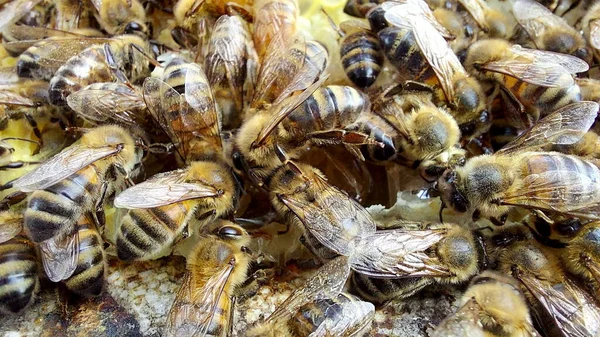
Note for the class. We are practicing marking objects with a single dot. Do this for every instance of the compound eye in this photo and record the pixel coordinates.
(230, 232)
(133, 27)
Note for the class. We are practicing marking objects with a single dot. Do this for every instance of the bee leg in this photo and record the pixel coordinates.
(36, 131)
(114, 67)
(233, 9)
(12, 199)
(231, 314)
(251, 286)
(499, 222)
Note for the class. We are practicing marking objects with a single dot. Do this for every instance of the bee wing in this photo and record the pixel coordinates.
(562, 127)
(101, 106)
(13, 11)
(163, 189)
(567, 192)
(11, 98)
(97, 4)
(464, 322)
(62, 165)
(570, 63)
(325, 283)
(594, 39)
(353, 317)
(31, 33)
(425, 12)
(328, 218)
(436, 50)
(477, 10)
(572, 310)
(10, 228)
(8, 75)
(199, 96)
(194, 309)
(536, 19)
(284, 108)
(399, 253)
(543, 74)
(60, 254)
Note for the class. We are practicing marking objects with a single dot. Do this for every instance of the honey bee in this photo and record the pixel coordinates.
(273, 18)
(591, 28)
(184, 106)
(430, 254)
(118, 17)
(425, 136)
(493, 306)
(18, 270)
(360, 53)
(420, 45)
(516, 175)
(161, 207)
(125, 58)
(559, 306)
(531, 81)
(229, 61)
(216, 268)
(70, 184)
(492, 22)
(90, 274)
(549, 31)
(320, 290)
(359, 8)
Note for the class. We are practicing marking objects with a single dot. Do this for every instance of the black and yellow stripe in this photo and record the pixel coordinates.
(362, 57)
(18, 274)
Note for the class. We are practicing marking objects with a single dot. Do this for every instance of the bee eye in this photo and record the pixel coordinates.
(229, 232)
(133, 27)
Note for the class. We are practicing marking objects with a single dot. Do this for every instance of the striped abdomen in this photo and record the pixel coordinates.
(144, 233)
(359, 8)
(378, 290)
(59, 206)
(88, 278)
(581, 179)
(18, 274)
(382, 133)
(330, 107)
(86, 68)
(361, 57)
(540, 101)
(401, 49)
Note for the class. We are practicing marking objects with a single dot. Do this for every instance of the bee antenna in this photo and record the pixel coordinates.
(151, 59)
(332, 23)
(283, 157)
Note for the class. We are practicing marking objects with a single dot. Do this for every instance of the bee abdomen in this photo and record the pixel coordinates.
(88, 278)
(88, 67)
(18, 274)
(144, 232)
(401, 49)
(362, 58)
(380, 290)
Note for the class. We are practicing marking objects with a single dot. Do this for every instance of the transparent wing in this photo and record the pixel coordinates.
(464, 322)
(164, 189)
(543, 74)
(9, 228)
(351, 318)
(571, 63)
(573, 311)
(594, 38)
(31, 33)
(11, 98)
(13, 11)
(194, 309)
(60, 254)
(425, 12)
(102, 105)
(537, 20)
(62, 165)
(334, 219)
(477, 10)
(562, 127)
(399, 253)
(327, 282)
(284, 108)
(199, 96)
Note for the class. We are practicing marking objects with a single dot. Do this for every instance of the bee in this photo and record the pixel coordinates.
(216, 268)
(462, 31)
(161, 207)
(531, 81)
(493, 305)
(516, 175)
(72, 14)
(229, 61)
(6, 150)
(359, 8)
(419, 51)
(124, 58)
(423, 136)
(19, 268)
(360, 53)
(70, 184)
(183, 104)
(559, 306)
(492, 22)
(428, 255)
(591, 28)
(90, 274)
(273, 18)
(294, 317)
(549, 31)
(118, 17)
(296, 125)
